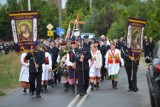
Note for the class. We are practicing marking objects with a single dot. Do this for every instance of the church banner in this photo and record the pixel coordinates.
(135, 35)
(24, 29)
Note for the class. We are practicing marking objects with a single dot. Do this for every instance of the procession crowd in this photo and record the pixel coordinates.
(6, 47)
(78, 63)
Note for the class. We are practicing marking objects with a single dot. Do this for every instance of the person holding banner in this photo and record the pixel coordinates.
(36, 59)
(131, 66)
(133, 49)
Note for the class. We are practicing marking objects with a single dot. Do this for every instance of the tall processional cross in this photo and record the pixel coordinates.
(77, 22)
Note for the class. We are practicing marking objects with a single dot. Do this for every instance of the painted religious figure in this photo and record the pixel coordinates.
(25, 33)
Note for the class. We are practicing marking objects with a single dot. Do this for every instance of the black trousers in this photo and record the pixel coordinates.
(33, 76)
(132, 83)
(83, 80)
(103, 72)
(55, 75)
(152, 53)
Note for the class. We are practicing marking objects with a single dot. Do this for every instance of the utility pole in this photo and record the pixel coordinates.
(90, 4)
(60, 13)
(21, 5)
(29, 5)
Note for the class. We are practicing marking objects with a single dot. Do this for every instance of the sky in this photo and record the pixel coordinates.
(63, 2)
(3, 1)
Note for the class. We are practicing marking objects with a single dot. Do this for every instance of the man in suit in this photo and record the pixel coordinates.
(87, 43)
(36, 59)
(54, 51)
(131, 66)
(82, 55)
(104, 48)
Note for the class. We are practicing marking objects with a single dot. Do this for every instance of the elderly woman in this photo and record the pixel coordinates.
(113, 59)
(95, 64)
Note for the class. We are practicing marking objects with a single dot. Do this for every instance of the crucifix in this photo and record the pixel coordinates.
(77, 22)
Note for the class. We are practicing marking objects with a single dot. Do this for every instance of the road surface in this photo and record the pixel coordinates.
(104, 97)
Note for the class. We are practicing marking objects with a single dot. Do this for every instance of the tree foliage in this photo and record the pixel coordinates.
(48, 13)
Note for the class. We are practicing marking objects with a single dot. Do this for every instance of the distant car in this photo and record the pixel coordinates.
(153, 78)
(91, 35)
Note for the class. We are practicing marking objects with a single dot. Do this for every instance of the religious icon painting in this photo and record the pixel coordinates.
(135, 34)
(24, 28)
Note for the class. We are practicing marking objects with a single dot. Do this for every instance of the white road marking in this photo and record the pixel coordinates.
(73, 101)
(81, 101)
(84, 97)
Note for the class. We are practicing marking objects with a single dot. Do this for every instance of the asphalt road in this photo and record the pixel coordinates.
(104, 97)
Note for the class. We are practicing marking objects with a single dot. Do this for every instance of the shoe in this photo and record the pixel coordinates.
(52, 85)
(92, 86)
(102, 80)
(42, 90)
(32, 93)
(66, 86)
(38, 96)
(135, 90)
(73, 89)
(25, 91)
(97, 86)
(130, 90)
(81, 94)
(85, 93)
(115, 84)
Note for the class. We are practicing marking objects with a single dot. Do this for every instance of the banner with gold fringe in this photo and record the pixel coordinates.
(135, 36)
(24, 29)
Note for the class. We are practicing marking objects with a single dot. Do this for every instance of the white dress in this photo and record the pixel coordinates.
(46, 67)
(95, 65)
(113, 60)
(24, 73)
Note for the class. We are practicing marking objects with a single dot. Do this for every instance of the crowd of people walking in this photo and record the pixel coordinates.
(78, 63)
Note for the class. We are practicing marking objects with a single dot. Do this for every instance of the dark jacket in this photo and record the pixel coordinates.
(151, 45)
(37, 57)
(72, 56)
(54, 54)
(87, 45)
(87, 56)
(104, 50)
(125, 55)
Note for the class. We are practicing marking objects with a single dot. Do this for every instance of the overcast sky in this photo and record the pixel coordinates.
(3, 1)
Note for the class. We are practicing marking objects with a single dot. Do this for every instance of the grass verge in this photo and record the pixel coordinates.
(9, 71)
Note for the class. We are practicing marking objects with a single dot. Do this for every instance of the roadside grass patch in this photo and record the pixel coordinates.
(9, 71)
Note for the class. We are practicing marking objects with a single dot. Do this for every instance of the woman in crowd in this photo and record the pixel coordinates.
(95, 64)
(24, 74)
(113, 60)
(47, 66)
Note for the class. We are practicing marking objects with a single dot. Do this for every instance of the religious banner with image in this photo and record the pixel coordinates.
(24, 29)
(135, 35)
